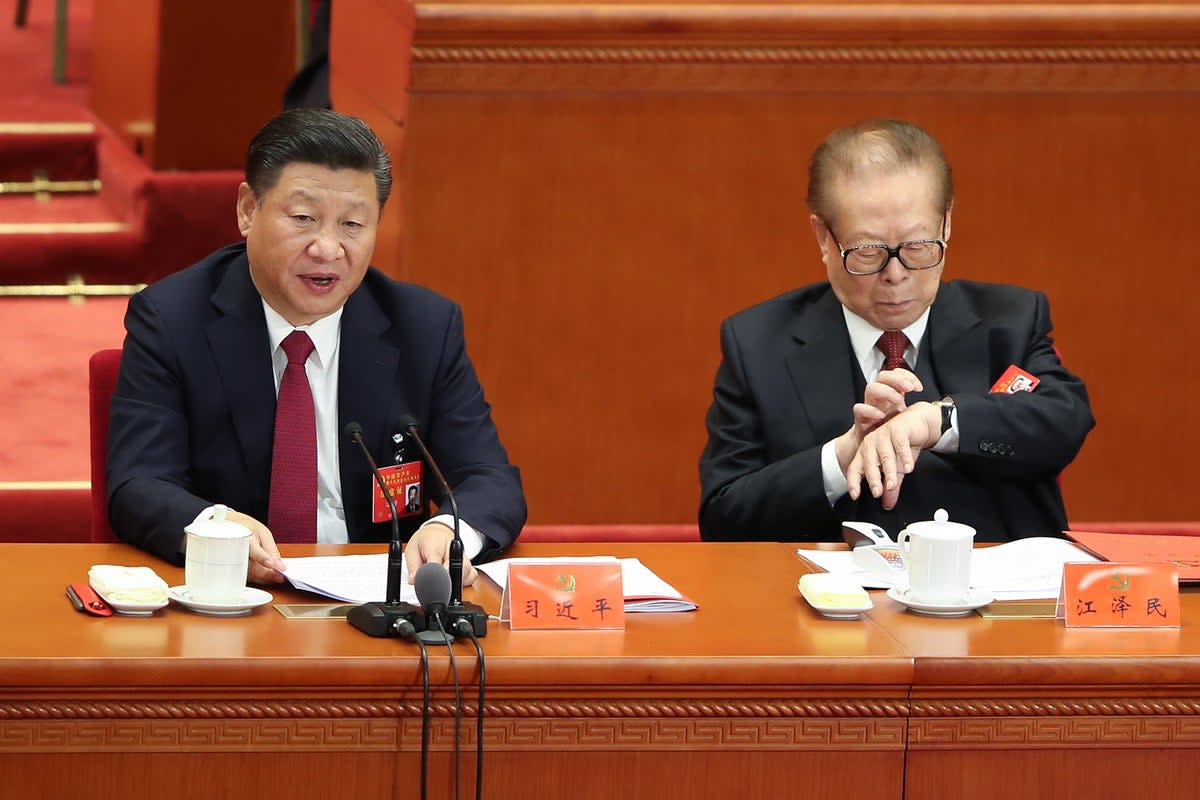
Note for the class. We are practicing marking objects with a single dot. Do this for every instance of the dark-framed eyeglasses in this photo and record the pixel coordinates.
(867, 259)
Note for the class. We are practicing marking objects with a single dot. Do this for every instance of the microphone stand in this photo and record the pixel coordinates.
(380, 619)
(456, 609)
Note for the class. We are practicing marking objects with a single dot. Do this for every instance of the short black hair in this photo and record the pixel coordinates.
(316, 136)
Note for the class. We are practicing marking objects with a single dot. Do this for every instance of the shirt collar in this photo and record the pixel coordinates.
(864, 335)
(324, 333)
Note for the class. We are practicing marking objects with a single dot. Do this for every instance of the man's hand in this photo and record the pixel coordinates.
(265, 564)
(882, 400)
(431, 542)
(890, 452)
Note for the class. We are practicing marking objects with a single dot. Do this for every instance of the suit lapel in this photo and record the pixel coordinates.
(959, 346)
(241, 350)
(822, 366)
(369, 393)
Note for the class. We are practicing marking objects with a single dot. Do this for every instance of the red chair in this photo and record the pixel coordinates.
(102, 380)
(611, 533)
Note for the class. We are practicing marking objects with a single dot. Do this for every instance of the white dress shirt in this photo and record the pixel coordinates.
(863, 338)
(322, 371)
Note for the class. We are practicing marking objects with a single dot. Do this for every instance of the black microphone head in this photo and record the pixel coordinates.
(353, 429)
(432, 585)
(408, 423)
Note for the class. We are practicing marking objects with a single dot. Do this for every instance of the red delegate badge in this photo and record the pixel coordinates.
(404, 484)
(1015, 380)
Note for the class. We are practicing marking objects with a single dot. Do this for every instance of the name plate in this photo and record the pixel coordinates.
(565, 595)
(1120, 595)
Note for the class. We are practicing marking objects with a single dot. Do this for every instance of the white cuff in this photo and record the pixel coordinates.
(472, 539)
(831, 474)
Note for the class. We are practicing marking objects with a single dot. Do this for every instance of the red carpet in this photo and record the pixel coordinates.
(44, 428)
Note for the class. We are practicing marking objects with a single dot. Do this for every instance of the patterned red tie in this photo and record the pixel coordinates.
(893, 344)
(292, 509)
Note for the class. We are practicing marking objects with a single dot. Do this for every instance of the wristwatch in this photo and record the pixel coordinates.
(946, 404)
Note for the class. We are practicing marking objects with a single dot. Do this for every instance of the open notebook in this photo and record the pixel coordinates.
(643, 590)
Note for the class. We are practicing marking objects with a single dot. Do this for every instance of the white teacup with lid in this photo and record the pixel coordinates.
(218, 556)
(937, 554)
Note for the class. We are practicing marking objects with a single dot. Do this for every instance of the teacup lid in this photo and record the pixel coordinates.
(940, 527)
(217, 526)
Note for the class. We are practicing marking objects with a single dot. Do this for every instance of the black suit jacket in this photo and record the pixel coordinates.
(193, 414)
(788, 382)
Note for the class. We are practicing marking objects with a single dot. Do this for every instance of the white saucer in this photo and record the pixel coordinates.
(976, 598)
(251, 598)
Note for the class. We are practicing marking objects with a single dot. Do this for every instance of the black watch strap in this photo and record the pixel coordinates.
(947, 407)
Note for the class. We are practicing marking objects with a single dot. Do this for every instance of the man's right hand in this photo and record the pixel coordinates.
(266, 566)
(882, 400)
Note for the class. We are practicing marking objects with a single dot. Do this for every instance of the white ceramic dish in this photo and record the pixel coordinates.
(816, 585)
(251, 599)
(976, 598)
(131, 609)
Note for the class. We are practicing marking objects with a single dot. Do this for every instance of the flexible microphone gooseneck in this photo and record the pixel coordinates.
(380, 619)
(455, 608)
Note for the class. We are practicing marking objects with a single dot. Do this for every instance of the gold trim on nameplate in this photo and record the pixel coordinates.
(1019, 609)
(314, 610)
(43, 485)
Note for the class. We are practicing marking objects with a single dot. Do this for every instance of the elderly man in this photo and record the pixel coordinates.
(884, 393)
(240, 374)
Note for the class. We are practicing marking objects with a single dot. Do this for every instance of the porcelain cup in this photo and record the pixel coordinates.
(937, 555)
(218, 555)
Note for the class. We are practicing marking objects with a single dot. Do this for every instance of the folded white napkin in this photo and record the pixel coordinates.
(128, 585)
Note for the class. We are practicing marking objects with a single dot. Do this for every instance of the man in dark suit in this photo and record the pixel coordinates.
(886, 374)
(193, 419)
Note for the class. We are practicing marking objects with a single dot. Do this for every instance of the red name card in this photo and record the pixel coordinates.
(565, 595)
(1120, 595)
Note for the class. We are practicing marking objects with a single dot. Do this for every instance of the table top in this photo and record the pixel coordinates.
(752, 633)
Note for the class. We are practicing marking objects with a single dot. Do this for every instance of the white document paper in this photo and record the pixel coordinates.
(355, 579)
(1024, 569)
(643, 590)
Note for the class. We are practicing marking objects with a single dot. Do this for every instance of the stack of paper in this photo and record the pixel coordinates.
(643, 590)
(1025, 569)
(355, 579)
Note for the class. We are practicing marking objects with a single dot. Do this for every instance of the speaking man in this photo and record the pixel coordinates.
(241, 372)
(884, 393)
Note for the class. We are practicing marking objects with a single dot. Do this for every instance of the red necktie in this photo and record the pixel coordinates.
(893, 344)
(292, 509)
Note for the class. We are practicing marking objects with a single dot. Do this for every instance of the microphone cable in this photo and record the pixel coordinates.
(462, 627)
(437, 618)
(406, 630)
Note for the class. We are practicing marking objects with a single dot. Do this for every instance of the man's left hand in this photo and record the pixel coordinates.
(890, 452)
(432, 543)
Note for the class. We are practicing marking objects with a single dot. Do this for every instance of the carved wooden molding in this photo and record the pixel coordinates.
(54, 726)
(195, 735)
(1074, 707)
(805, 70)
(1054, 732)
(728, 56)
(695, 733)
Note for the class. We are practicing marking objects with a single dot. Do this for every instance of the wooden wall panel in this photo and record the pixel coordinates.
(600, 184)
(188, 84)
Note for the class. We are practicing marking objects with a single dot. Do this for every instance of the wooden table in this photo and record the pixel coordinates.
(753, 696)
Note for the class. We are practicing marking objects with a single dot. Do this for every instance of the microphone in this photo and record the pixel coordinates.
(383, 619)
(432, 585)
(456, 609)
